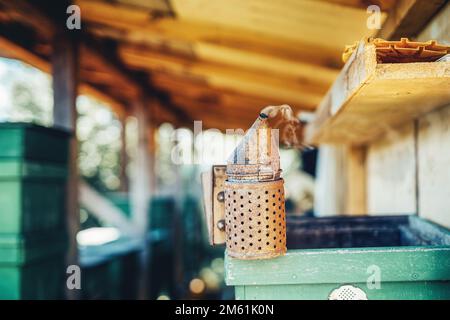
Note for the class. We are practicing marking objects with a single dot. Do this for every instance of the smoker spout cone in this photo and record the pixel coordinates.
(257, 156)
(254, 195)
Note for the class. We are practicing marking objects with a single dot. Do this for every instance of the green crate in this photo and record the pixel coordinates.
(411, 256)
(33, 142)
(32, 268)
(162, 212)
(32, 196)
(111, 270)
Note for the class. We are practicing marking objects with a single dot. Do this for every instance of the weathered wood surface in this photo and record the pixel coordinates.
(407, 167)
(370, 99)
(434, 166)
(391, 173)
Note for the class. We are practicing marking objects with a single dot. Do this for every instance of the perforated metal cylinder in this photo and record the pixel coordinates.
(255, 219)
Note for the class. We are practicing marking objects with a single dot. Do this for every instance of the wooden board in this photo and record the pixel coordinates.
(370, 99)
(391, 173)
(434, 166)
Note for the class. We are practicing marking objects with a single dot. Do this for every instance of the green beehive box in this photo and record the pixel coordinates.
(33, 170)
(396, 257)
(111, 270)
(32, 142)
(162, 212)
(32, 268)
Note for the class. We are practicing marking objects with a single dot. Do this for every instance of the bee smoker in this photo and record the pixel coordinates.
(244, 200)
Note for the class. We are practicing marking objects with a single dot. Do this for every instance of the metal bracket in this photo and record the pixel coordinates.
(214, 201)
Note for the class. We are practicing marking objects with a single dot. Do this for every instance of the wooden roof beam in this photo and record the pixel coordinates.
(408, 17)
(272, 88)
(12, 50)
(135, 26)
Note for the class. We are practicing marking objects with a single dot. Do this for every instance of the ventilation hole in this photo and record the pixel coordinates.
(267, 243)
(250, 227)
(275, 229)
(273, 196)
(242, 197)
(242, 222)
(274, 246)
(242, 239)
(250, 218)
(234, 209)
(242, 205)
(267, 218)
(274, 204)
(267, 209)
(267, 192)
(259, 222)
(249, 193)
(274, 238)
(251, 244)
(274, 221)
(242, 214)
(235, 243)
(234, 192)
(259, 240)
(242, 248)
(267, 200)
(267, 226)
(259, 231)
(259, 248)
(274, 212)
(251, 236)
(242, 231)
(259, 206)
(249, 210)
(267, 234)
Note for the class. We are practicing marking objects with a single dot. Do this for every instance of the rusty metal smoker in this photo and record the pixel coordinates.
(244, 200)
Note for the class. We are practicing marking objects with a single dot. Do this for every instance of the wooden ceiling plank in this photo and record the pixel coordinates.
(408, 17)
(254, 84)
(305, 21)
(11, 50)
(363, 4)
(166, 31)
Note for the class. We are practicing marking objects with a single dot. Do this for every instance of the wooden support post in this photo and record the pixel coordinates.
(331, 182)
(356, 181)
(151, 131)
(140, 189)
(65, 65)
(124, 183)
(140, 181)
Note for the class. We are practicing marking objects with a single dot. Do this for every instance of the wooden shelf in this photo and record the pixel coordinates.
(369, 99)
